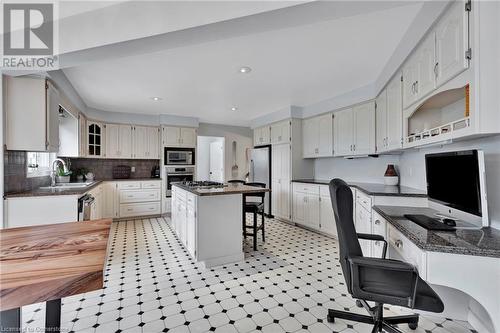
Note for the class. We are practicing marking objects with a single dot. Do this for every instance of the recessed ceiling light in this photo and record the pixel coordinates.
(156, 98)
(245, 69)
(234, 108)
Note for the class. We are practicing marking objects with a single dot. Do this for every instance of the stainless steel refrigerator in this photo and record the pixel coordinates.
(260, 171)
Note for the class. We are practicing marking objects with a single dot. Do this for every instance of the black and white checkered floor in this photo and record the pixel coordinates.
(153, 285)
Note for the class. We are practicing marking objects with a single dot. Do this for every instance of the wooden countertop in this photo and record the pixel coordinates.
(226, 190)
(46, 262)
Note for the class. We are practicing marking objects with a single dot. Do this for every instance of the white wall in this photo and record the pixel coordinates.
(203, 156)
(244, 139)
(365, 170)
(411, 168)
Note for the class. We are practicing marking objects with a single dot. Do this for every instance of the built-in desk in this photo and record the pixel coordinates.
(464, 264)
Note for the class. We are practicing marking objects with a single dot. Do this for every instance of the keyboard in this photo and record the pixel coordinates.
(428, 222)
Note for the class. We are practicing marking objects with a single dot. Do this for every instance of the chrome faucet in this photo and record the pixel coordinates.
(53, 172)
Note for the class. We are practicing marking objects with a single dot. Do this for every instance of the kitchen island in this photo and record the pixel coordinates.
(208, 221)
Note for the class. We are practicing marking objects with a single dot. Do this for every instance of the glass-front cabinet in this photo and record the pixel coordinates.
(95, 137)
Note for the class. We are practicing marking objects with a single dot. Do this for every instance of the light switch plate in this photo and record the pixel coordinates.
(132, 169)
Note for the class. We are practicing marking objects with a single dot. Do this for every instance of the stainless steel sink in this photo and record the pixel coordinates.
(67, 186)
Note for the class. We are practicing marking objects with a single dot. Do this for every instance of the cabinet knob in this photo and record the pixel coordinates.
(377, 222)
(398, 243)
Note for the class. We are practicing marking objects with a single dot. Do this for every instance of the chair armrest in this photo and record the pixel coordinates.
(369, 276)
(377, 238)
(373, 237)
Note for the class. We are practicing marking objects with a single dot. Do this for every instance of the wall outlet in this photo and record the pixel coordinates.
(132, 169)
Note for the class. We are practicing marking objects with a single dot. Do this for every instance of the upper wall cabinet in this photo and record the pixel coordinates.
(118, 141)
(354, 130)
(443, 54)
(146, 142)
(82, 135)
(280, 132)
(179, 136)
(389, 117)
(317, 136)
(95, 139)
(452, 43)
(32, 124)
(262, 136)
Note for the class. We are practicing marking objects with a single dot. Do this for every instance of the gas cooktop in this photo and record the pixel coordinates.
(203, 184)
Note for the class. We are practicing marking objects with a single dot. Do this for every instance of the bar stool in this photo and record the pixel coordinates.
(254, 207)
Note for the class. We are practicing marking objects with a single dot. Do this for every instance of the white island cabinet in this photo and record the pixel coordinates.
(209, 222)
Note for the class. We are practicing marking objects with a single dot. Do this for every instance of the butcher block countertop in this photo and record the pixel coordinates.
(47, 262)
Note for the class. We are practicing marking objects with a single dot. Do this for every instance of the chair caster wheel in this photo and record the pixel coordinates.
(413, 326)
(358, 303)
(330, 319)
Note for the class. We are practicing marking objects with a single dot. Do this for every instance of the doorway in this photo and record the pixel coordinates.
(210, 158)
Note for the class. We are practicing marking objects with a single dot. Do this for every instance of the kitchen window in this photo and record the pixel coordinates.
(39, 164)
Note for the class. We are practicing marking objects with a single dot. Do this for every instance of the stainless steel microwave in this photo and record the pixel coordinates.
(179, 156)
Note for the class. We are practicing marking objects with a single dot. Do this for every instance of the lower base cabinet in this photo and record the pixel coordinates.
(184, 218)
(312, 207)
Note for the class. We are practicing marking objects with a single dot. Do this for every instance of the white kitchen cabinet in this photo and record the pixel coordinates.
(118, 141)
(363, 225)
(364, 129)
(317, 138)
(280, 132)
(343, 132)
(146, 142)
(409, 81)
(425, 57)
(451, 43)
(326, 215)
(381, 121)
(389, 117)
(109, 200)
(31, 124)
(312, 207)
(188, 137)
(95, 139)
(190, 242)
(179, 136)
(281, 181)
(378, 228)
(139, 198)
(96, 208)
(262, 136)
(82, 135)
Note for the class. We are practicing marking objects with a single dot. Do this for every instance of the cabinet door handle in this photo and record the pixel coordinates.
(436, 69)
(354, 147)
(416, 87)
(377, 222)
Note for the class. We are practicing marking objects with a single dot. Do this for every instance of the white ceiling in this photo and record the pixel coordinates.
(297, 65)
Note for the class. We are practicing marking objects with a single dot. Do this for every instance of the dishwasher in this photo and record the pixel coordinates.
(85, 204)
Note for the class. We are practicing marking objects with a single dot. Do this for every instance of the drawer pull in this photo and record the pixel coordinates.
(377, 242)
(398, 243)
(129, 209)
(377, 222)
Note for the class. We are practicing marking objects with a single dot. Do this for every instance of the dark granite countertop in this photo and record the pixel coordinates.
(467, 239)
(373, 189)
(39, 192)
(226, 190)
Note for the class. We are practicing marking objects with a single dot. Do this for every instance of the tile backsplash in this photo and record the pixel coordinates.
(103, 168)
(15, 169)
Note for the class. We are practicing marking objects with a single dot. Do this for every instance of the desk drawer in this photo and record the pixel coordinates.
(129, 185)
(364, 200)
(139, 196)
(306, 188)
(151, 184)
(140, 209)
(407, 250)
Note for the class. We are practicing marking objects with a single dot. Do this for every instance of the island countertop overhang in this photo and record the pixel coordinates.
(226, 190)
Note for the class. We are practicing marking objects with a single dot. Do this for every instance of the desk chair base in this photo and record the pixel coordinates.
(376, 318)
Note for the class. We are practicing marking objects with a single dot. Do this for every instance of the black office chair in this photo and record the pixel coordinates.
(254, 207)
(380, 280)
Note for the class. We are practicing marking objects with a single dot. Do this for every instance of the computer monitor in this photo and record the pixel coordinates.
(456, 185)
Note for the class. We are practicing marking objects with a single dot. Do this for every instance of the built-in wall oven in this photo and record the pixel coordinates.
(178, 156)
(177, 174)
